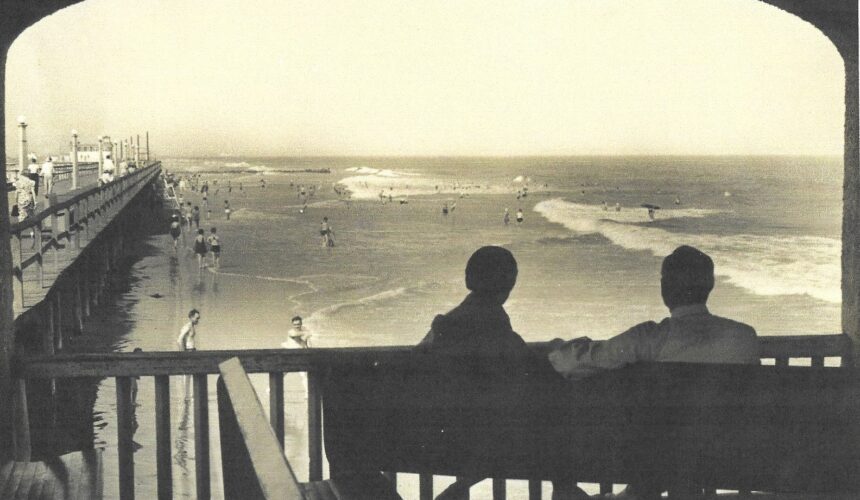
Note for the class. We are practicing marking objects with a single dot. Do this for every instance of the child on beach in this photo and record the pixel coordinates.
(200, 248)
(215, 247)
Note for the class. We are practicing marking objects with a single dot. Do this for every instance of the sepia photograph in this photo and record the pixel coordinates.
(451, 250)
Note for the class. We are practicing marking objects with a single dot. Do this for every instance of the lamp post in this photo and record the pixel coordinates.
(22, 143)
(74, 159)
(101, 156)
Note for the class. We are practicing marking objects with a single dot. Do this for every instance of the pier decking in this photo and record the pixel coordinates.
(46, 244)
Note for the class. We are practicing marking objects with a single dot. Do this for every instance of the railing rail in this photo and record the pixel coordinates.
(277, 362)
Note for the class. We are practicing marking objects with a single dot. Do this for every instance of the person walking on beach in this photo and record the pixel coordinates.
(299, 337)
(200, 248)
(519, 216)
(188, 214)
(195, 216)
(227, 209)
(215, 247)
(187, 334)
(48, 175)
(186, 342)
(175, 230)
(326, 233)
(507, 218)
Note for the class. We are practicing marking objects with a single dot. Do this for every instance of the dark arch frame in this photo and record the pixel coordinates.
(837, 19)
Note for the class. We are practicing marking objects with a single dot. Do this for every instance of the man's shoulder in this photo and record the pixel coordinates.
(733, 327)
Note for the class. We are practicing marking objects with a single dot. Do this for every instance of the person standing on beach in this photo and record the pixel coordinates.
(326, 233)
(507, 218)
(299, 336)
(519, 216)
(215, 247)
(200, 248)
(188, 332)
(48, 175)
(195, 216)
(188, 214)
(227, 209)
(186, 342)
(175, 230)
(25, 194)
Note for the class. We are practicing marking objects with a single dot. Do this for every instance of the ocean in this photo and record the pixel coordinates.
(772, 224)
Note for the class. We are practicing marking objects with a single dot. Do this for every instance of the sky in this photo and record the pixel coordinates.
(465, 77)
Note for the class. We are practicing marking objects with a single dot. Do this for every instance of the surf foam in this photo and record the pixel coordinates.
(763, 265)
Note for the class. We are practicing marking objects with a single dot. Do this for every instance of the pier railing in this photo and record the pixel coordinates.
(815, 350)
(68, 225)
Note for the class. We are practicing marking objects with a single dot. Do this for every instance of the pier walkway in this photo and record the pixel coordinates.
(47, 243)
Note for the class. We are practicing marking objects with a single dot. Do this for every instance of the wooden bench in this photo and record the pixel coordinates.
(254, 465)
(705, 427)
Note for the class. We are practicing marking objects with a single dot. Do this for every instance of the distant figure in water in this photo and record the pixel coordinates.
(175, 230)
(507, 217)
(200, 248)
(262, 183)
(605, 206)
(299, 337)
(445, 209)
(617, 207)
(651, 212)
(326, 233)
(227, 209)
(677, 200)
(519, 216)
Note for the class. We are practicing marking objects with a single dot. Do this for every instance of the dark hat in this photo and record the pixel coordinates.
(491, 269)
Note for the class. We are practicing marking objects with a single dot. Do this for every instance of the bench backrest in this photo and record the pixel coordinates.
(254, 465)
(723, 426)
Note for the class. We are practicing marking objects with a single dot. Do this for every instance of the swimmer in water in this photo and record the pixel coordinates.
(445, 209)
(617, 207)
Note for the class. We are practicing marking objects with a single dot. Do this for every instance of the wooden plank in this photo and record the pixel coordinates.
(274, 474)
(782, 361)
(201, 437)
(164, 465)
(276, 405)
(12, 481)
(125, 431)
(279, 360)
(5, 472)
(68, 485)
(315, 446)
(817, 361)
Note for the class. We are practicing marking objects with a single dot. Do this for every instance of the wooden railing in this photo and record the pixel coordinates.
(71, 223)
(276, 362)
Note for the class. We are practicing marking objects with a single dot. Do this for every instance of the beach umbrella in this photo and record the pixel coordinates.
(648, 205)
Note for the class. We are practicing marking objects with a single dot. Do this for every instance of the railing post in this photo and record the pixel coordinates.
(77, 213)
(125, 431)
(55, 242)
(425, 486)
(276, 405)
(164, 464)
(18, 269)
(314, 426)
(535, 489)
(201, 435)
(21, 423)
(38, 237)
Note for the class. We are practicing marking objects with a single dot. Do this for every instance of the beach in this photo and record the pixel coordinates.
(771, 224)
